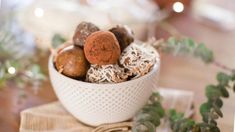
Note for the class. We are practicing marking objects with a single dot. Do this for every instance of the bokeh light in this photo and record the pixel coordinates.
(178, 7)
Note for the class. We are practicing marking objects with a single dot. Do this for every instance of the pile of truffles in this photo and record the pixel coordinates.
(98, 56)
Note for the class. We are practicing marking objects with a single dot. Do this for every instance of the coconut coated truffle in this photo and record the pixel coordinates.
(106, 74)
(137, 60)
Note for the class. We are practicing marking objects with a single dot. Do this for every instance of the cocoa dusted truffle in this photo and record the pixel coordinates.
(71, 62)
(83, 30)
(124, 36)
(102, 48)
(106, 74)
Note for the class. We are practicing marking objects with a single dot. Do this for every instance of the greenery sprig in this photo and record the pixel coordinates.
(15, 66)
(149, 117)
(210, 111)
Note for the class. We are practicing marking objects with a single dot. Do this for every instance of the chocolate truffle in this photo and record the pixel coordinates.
(105, 74)
(83, 30)
(71, 62)
(102, 48)
(137, 60)
(124, 36)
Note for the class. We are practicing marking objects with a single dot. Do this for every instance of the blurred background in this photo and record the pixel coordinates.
(28, 28)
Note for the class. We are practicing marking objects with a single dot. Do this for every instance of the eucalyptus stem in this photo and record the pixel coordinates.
(222, 66)
(174, 32)
(210, 110)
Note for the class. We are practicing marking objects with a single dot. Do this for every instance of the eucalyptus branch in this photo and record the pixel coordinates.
(222, 66)
(174, 32)
(210, 110)
(149, 117)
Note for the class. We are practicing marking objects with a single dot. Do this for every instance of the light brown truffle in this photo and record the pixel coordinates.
(102, 48)
(83, 30)
(71, 62)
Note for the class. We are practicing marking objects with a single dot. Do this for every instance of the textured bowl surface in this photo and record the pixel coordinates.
(96, 104)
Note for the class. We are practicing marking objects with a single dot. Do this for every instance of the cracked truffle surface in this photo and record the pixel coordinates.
(83, 30)
(71, 62)
(102, 48)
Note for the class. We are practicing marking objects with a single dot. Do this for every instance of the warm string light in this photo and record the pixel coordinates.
(38, 12)
(11, 70)
(178, 7)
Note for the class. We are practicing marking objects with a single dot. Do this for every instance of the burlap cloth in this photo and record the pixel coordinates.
(53, 117)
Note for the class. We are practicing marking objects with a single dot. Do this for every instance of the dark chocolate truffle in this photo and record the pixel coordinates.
(83, 30)
(102, 48)
(71, 62)
(124, 36)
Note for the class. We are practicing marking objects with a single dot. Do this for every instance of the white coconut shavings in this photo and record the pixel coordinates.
(138, 60)
(106, 74)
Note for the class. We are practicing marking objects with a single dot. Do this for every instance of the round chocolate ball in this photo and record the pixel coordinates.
(124, 36)
(83, 30)
(71, 62)
(102, 48)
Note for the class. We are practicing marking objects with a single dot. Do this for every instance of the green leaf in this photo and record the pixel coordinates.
(217, 110)
(223, 78)
(154, 118)
(203, 124)
(224, 92)
(174, 116)
(157, 107)
(139, 128)
(57, 40)
(213, 116)
(155, 97)
(149, 116)
(172, 41)
(186, 125)
(189, 42)
(187, 45)
(212, 92)
(234, 87)
(205, 108)
(196, 128)
(219, 102)
(176, 126)
(205, 54)
(150, 126)
(233, 76)
(213, 122)
(215, 129)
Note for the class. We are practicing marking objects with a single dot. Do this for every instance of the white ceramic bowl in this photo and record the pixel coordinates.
(96, 104)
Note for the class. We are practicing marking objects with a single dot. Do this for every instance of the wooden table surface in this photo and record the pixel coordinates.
(176, 72)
